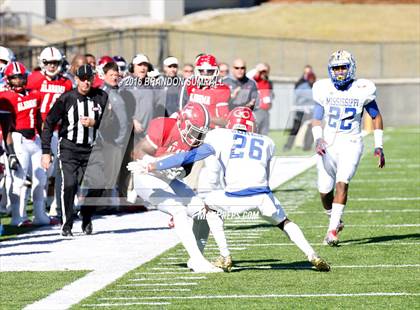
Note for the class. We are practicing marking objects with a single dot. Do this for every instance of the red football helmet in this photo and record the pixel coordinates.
(100, 65)
(241, 118)
(206, 68)
(193, 123)
(15, 70)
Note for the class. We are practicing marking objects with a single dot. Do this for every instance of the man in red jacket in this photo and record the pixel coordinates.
(266, 95)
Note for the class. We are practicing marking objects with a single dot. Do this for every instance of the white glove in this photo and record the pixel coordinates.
(138, 166)
(174, 173)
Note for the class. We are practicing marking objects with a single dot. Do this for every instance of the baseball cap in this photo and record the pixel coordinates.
(140, 58)
(170, 61)
(85, 72)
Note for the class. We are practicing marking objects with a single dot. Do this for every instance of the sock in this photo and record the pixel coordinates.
(296, 236)
(328, 212)
(216, 227)
(184, 231)
(336, 214)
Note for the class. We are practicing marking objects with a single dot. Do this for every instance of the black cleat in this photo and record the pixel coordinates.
(87, 228)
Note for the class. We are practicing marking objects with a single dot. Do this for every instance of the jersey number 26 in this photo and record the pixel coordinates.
(241, 147)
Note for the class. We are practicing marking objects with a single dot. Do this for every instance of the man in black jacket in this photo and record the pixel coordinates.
(80, 112)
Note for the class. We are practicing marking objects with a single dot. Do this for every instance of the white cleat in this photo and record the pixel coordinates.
(202, 266)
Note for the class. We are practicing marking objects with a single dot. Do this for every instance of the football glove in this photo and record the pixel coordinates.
(379, 152)
(138, 167)
(13, 162)
(320, 146)
(174, 173)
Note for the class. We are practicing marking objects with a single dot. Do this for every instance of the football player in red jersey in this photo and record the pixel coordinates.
(166, 191)
(25, 151)
(50, 83)
(204, 87)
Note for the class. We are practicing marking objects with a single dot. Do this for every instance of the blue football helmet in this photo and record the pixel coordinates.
(338, 59)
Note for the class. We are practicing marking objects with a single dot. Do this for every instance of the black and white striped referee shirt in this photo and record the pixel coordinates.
(68, 108)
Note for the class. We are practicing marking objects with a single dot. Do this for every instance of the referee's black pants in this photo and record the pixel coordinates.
(74, 159)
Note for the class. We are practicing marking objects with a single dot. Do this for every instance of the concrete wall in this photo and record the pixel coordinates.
(96, 8)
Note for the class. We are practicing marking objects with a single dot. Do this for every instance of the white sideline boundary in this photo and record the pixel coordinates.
(370, 294)
(107, 253)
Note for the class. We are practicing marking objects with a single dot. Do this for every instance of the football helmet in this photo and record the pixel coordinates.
(206, 69)
(241, 118)
(193, 123)
(122, 64)
(50, 55)
(338, 59)
(16, 70)
(5, 57)
(100, 65)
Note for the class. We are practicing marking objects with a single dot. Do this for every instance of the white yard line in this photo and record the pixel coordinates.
(129, 304)
(370, 294)
(165, 279)
(362, 242)
(333, 267)
(152, 290)
(362, 211)
(162, 284)
(386, 199)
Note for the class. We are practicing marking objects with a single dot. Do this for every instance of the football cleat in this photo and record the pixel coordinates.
(202, 266)
(319, 263)
(331, 239)
(224, 263)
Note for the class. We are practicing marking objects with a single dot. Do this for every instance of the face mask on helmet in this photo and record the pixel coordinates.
(50, 61)
(341, 68)
(193, 124)
(241, 118)
(206, 69)
(16, 76)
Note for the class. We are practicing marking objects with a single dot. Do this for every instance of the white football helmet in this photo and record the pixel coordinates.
(5, 56)
(48, 55)
(338, 59)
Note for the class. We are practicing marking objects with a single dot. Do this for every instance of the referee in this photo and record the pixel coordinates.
(80, 112)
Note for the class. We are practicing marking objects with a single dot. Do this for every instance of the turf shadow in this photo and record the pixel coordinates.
(126, 230)
(24, 253)
(380, 239)
(33, 243)
(238, 267)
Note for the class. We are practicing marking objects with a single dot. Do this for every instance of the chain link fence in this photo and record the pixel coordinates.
(286, 57)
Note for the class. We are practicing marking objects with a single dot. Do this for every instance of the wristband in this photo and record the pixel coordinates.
(378, 135)
(317, 132)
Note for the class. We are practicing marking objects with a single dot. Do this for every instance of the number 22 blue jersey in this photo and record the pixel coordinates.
(343, 109)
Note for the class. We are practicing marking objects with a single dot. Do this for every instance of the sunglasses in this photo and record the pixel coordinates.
(53, 62)
(239, 68)
(173, 66)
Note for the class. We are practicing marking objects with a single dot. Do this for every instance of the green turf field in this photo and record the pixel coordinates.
(377, 265)
(18, 289)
